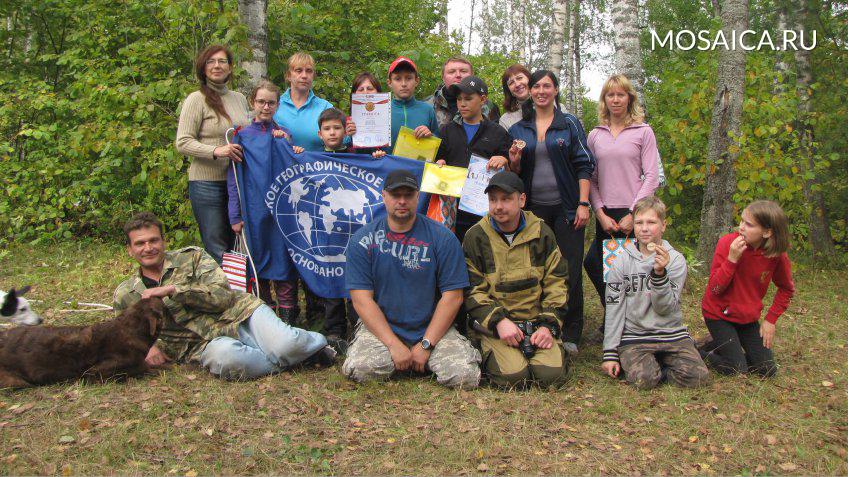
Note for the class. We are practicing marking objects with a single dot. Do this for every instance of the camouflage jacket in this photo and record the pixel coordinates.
(440, 105)
(203, 306)
(523, 281)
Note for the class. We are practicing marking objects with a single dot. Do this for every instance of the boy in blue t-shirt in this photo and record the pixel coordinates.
(406, 110)
(406, 275)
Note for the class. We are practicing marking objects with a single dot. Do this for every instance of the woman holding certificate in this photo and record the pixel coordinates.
(551, 156)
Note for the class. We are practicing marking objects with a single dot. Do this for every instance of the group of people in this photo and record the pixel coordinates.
(453, 293)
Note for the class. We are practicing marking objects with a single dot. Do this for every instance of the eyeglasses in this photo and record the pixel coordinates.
(220, 61)
(262, 103)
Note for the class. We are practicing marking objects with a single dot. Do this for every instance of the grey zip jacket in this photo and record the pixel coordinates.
(643, 307)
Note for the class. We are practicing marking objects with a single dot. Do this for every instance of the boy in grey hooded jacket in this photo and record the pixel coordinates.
(644, 333)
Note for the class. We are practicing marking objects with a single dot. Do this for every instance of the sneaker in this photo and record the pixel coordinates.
(338, 343)
(570, 348)
(324, 358)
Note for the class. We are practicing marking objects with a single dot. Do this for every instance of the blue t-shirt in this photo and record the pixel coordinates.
(406, 271)
(470, 131)
(303, 121)
(412, 113)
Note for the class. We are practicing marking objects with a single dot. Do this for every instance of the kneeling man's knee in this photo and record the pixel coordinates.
(361, 368)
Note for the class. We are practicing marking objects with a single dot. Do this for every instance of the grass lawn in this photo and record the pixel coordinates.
(184, 422)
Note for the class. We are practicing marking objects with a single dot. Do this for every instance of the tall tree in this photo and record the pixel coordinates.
(555, 56)
(576, 92)
(628, 55)
(821, 239)
(722, 145)
(254, 14)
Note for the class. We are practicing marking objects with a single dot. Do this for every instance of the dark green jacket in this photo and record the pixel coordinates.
(525, 280)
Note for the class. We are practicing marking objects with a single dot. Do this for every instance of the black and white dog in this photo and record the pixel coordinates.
(15, 308)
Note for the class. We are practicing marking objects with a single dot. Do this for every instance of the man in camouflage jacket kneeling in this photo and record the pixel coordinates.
(232, 334)
(518, 292)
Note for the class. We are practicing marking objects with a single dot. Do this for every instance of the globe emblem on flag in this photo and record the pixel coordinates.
(318, 214)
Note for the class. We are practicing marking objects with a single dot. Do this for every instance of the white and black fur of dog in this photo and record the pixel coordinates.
(16, 309)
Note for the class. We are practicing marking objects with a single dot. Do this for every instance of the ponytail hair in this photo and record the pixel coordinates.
(213, 99)
(528, 109)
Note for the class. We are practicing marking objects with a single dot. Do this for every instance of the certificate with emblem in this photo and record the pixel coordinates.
(473, 198)
(445, 180)
(408, 145)
(372, 114)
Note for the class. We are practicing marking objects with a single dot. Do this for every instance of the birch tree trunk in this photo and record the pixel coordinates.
(820, 236)
(558, 36)
(628, 55)
(567, 77)
(442, 26)
(576, 91)
(253, 14)
(722, 148)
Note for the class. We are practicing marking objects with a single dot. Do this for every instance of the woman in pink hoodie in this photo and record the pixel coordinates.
(626, 170)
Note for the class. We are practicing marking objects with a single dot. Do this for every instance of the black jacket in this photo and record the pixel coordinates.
(491, 140)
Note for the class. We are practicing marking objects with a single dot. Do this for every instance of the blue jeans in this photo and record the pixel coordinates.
(266, 345)
(209, 204)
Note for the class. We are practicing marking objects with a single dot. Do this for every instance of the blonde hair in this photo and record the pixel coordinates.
(635, 114)
(266, 85)
(651, 202)
(769, 215)
(301, 58)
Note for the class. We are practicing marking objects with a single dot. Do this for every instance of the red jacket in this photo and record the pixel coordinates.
(735, 291)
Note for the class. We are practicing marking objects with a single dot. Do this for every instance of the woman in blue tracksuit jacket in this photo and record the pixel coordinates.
(556, 176)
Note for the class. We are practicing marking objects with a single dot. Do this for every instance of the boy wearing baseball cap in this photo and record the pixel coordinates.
(470, 133)
(406, 110)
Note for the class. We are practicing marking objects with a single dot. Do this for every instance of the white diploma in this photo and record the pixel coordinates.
(372, 114)
(473, 199)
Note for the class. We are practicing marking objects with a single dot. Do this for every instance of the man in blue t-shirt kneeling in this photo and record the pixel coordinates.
(406, 275)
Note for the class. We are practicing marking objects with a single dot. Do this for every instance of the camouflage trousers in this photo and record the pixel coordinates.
(507, 367)
(646, 365)
(454, 361)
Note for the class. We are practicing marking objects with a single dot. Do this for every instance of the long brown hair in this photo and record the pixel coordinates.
(511, 102)
(213, 99)
(769, 215)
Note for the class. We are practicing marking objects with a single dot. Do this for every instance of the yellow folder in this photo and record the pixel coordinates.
(445, 180)
(422, 149)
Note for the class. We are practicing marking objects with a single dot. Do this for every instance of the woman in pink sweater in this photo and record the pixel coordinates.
(627, 169)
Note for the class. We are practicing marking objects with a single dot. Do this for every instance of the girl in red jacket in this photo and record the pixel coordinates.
(744, 264)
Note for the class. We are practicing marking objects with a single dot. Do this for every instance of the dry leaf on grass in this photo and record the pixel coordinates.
(788, 467)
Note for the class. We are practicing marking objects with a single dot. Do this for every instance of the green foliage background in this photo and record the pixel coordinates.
(90, 91)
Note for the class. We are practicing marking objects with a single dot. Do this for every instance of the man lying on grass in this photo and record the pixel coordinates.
(232, 334)
(644, 333)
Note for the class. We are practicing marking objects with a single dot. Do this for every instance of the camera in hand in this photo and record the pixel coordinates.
(527, 348)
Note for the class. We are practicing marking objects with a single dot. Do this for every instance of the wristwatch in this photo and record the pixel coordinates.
(584, 203)
(426, 345)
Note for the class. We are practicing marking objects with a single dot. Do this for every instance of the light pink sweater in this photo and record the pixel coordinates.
(627, 167)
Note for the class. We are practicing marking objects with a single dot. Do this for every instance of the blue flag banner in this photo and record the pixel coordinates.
(317, 201)
(255, 175)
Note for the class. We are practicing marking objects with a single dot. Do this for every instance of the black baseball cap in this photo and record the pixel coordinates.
(400, 178)
(507, 181)
(470, 84)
